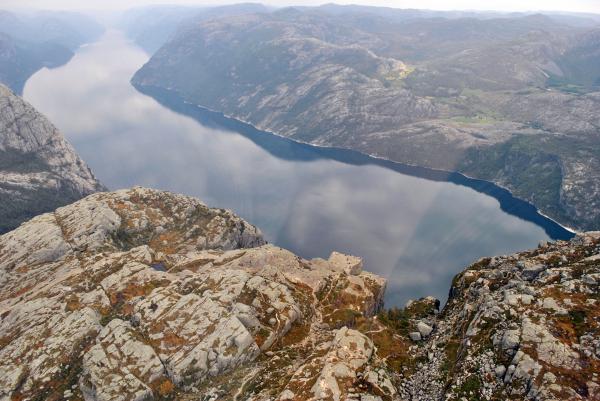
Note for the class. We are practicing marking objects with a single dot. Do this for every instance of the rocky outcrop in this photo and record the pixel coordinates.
(140, 294)
(39, 169)
(516, 327)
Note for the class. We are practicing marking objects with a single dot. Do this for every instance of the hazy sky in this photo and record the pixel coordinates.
(500, 5)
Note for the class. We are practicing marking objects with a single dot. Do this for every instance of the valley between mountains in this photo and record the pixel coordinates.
(143, 294)
(505, 99)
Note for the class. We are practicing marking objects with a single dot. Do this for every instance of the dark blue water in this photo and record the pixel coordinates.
(415, 226)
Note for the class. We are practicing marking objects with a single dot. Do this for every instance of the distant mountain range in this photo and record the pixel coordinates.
(150, 27)
(510, 98)
(29, 42)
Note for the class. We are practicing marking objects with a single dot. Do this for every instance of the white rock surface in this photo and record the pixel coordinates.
(140, 294)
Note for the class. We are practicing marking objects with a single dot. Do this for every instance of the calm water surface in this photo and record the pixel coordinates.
(416, 232)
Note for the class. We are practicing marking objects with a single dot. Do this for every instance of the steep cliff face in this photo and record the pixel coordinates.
(142, 294)
(39, 170)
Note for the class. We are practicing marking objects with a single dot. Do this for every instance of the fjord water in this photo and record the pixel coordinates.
(417, 232)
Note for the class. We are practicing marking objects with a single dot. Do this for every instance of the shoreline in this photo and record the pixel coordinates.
(171, 91)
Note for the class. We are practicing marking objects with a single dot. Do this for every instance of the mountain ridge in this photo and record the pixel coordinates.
(31, 41)
(312, 78)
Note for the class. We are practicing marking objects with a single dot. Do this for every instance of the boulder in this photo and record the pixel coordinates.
(424, 329)
(351, 265)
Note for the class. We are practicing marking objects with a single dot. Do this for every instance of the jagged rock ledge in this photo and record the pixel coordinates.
(516, 327)
(141, 294)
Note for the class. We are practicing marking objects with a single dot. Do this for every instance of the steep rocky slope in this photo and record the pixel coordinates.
(478, 96)
(39, 170)
(142, 294)
(522, 326)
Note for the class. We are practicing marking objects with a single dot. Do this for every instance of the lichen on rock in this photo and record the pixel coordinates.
(141, 294)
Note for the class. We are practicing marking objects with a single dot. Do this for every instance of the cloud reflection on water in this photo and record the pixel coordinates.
(416, 232)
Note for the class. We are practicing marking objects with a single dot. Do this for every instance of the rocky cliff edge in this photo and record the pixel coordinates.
(141, 294)
(146, 295)
(39, 169)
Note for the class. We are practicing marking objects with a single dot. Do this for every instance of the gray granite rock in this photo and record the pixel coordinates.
(39, 169)
(85, 312)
